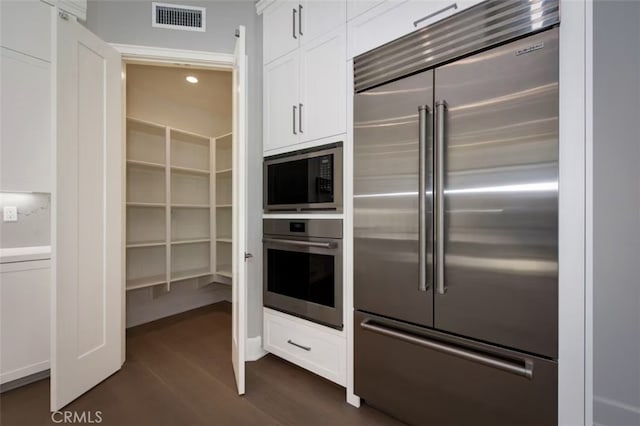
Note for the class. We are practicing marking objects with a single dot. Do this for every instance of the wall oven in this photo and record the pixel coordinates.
(304, 180)
(303, 268)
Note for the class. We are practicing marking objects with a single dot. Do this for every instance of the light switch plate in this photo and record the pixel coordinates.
(10, 213)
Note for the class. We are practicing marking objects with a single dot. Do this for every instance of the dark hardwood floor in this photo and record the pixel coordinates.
(178, 372)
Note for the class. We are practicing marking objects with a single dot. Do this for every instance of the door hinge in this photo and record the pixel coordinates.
(64, 15)
(248, 256)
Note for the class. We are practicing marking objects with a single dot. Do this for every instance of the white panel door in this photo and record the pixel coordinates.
(323, 86)
(320, 17)
(87, 332)
(280, 29)
(239, 266)
(281, 102)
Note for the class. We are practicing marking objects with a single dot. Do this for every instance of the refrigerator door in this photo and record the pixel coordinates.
(392, 137)
(499, 122)
(423, 377)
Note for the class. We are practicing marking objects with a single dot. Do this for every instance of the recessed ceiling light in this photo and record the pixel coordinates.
(192, 79)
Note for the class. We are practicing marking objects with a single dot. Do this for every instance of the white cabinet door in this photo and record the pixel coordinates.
(25, 305)
(323, 86)
(25, 152)
(395, 18)
(320, 17)
(281, 25)
(358, 7)
(281, 102)
(88, 328)
(25, 27)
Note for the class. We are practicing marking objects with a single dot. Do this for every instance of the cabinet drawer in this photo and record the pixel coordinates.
(311, 346)
(395, 18)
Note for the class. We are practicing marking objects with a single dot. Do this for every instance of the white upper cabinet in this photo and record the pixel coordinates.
(394, 18)
(323, 86)
(74, 7)
(281, 102)
(25, 85)
(320, 17)
(25, 27)
(280, 29)
(289, 24)
(305, 47)
(355, 8)
(305, 93)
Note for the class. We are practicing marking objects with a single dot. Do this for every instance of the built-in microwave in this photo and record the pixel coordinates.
(309, 180)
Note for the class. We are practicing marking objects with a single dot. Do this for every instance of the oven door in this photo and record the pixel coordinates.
(303, 277)
(303, 182)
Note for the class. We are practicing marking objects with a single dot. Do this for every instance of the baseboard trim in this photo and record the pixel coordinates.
(254, 348)
(22, 381)
(609, 411)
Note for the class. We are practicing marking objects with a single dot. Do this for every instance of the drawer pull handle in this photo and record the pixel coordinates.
(306, 348)
(524, 370)
(431, 15)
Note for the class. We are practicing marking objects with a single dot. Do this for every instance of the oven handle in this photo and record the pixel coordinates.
(327, 245)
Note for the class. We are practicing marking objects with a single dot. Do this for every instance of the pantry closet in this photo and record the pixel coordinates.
(178, 190)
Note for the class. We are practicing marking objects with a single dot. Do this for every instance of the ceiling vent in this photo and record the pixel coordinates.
(177, 17)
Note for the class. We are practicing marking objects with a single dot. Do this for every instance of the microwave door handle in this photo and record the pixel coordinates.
(298, 243)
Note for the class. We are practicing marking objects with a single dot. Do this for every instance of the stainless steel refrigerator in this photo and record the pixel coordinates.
(456, 219)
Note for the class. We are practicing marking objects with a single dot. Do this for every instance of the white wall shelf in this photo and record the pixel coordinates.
(190, 206)
(190, 170)
(149, 164)
(178, 242)
(146, 244)
(174, 232)
(137, 204)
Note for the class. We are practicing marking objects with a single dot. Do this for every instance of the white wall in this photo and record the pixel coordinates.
(616, 214)
(129, 22)
(33, 227)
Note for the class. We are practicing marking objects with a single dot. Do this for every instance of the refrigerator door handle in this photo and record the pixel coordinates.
(441, 111)
(423, 135)
(524, 368)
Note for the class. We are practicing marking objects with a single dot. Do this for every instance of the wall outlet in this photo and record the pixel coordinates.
(10, 213)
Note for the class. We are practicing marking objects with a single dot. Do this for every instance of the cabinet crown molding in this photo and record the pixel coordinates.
(262, 5)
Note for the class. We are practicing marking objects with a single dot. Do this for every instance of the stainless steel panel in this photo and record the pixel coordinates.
(422, 377)
(487, 24)
(501, 195)
(320, 236)
(386, 205)
(325, 228)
